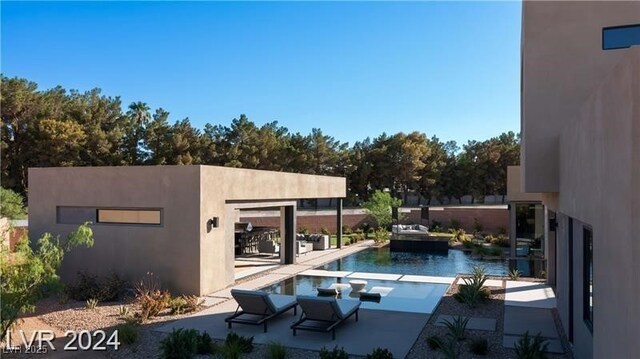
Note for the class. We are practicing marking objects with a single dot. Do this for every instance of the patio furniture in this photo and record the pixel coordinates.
(304, 247)
(370, 297)
(324, 314)
(320, 241)
(357, 285)
(258, 307)
(269, 246)
(327, 292)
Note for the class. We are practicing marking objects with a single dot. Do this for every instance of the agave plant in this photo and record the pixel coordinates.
(514, 274)
(531, 347)
(457, 327)
(92, 303)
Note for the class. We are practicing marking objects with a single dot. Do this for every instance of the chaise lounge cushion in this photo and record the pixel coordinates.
(257, 302)
(327, 308)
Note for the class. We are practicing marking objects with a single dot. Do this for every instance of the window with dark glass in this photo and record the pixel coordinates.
(587, 248)
(129, 216)
(620, 37)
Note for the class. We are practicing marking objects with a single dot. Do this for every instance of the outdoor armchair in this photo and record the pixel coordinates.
(256, 307)
(324, 314)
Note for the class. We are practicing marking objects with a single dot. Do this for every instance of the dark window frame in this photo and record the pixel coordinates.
(160, 210)
(587, 276)
(604, 29)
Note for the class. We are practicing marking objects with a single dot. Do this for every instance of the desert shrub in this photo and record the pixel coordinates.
(381, 235)
(434, 342)
(380, 353)
(245, 344)
(104, 289)
(472, 291)
(127, 333)
(498, 252)
(514, 274)
(357, 236)
(205, 345)
(333, 354)
(92, 303)
(436, 226)
(347, 242)
(479, 346)
(459, 235)
(346, 229)
(151, 298)
(325, 230)
(276, 351)
(184, 304)
(480, 250)
(529, 347)
(450, 349)
(180, 344)
(365, 228)
(477, 226)
(455, 224)
(11, 204)
(303, 230)
(468, 244)
(489, 238)
(457, 327)
(542, 274)
(151, 304)
(501, 241)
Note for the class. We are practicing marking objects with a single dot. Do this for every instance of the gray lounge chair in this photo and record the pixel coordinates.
(324, 314)
(258, 307)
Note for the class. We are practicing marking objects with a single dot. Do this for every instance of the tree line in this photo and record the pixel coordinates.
(57, 127)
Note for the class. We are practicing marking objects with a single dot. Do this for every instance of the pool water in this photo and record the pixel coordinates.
(382, 260)
(402, 297)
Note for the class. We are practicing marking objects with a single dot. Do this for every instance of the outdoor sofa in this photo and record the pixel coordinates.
(257, 307)
(324, 314)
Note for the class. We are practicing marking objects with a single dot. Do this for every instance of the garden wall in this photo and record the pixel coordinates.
(491, 218)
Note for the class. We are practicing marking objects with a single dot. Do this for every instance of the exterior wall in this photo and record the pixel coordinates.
(170, 251)
(562, 64)
(599, 182)
(492, 218)
(183, 252)
(222, 184)
(514, 187)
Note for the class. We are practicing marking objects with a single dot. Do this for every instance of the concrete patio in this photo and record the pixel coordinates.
(375, 328)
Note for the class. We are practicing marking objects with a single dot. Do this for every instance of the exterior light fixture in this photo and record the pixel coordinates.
(212, 223)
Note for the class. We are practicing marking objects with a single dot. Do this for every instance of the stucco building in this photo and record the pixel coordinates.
(580, 107)
(174, 221)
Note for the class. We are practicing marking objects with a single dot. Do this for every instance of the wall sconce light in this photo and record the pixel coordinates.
(212, 223)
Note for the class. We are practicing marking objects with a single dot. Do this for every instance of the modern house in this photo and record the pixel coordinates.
(174, 221)
(580, 113)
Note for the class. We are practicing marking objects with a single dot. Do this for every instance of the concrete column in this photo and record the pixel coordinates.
(288, 245)
(339, 222)
(512, 229)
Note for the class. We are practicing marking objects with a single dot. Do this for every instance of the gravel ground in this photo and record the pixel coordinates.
(492, 308)
(73, 315)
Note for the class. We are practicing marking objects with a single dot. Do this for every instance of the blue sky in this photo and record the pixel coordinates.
(352, 69)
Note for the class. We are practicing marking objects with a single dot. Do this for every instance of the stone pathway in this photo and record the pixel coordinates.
(528, 308)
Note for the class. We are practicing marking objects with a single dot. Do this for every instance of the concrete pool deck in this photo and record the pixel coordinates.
(375, 328)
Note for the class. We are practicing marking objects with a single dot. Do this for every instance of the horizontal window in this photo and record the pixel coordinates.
(75, 215)
(620, 37)
(129, 216)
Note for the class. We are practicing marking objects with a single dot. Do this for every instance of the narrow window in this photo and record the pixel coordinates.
(620, 37)
(129, 216)
(587, 235)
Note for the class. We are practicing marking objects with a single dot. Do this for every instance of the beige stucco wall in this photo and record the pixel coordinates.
(600, 186)
(514, 189)
(181, 252)
(562, 64)
(221, 184)
(169, 251)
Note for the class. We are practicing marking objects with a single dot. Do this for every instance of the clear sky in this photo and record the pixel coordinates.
(352, 69)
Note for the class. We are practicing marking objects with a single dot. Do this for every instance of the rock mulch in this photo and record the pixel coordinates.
(492, 308)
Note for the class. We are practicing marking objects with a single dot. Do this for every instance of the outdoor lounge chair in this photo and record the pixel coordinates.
(258, 307)
(324, 314)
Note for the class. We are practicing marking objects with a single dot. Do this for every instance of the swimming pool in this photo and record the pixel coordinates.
(401, 297)
(382, 260)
